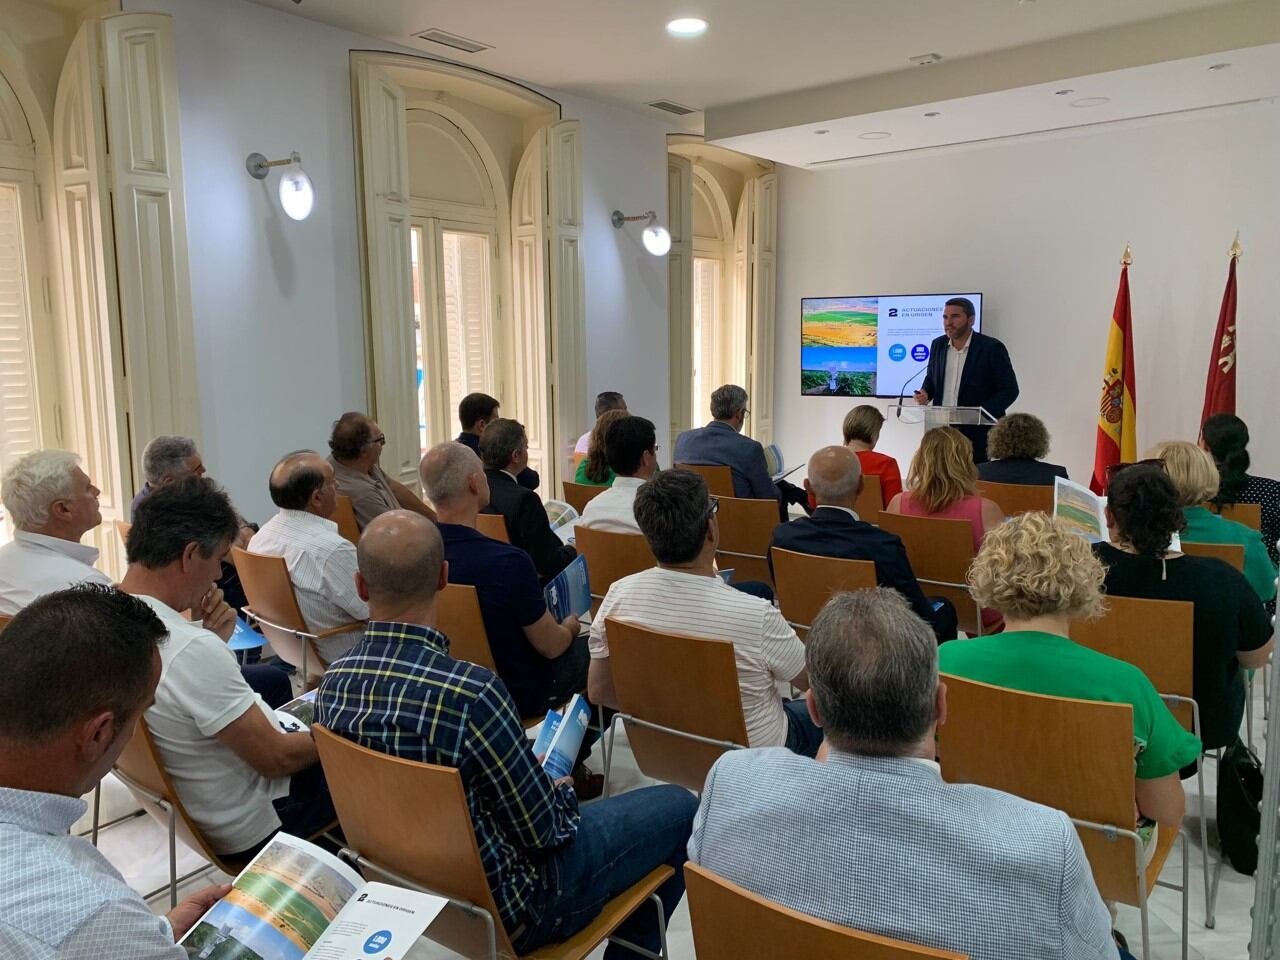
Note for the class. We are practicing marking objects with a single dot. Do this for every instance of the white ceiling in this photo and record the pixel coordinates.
(618, 50)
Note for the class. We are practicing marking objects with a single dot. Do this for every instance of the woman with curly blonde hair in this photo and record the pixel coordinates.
(594, 471)
(943, 482)
(1017, 446)
(1041, 575)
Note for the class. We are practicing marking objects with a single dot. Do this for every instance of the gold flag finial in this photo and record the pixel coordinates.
(1128, 255)
(1236, 249)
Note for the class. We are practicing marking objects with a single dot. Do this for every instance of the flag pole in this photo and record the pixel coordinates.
(1236, 250)
(1127, 259)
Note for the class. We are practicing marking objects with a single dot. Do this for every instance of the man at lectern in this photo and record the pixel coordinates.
(968, 369)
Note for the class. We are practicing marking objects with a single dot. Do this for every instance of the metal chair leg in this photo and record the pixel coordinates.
(1204, 842)
(97, 809)
(608, 757)
(173, 858)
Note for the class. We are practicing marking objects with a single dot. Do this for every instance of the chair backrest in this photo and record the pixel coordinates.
(1232, 553)
(730, 922)
(804, 582)
(269, 590)
(871, 499)
(700, 697)
(493, 526)
(578, 495)
(1015, 498)
(344, 515)
(4, 621)
(611, 556)
(458, 617)
(746, 530)
(940, 551)
(380, 801)
(719, 478)
(1156, 636)
(1074, 755)
(122, 531)
(1250, 514)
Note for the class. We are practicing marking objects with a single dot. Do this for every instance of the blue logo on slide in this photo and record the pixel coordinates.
(919, 352)
(378, 942)
(897, 352)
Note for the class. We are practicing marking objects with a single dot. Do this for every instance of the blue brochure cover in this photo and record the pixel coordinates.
(570, 591)
(561, 737)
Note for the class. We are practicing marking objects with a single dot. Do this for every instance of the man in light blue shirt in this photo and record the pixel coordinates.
(81, 665)
(870, 837)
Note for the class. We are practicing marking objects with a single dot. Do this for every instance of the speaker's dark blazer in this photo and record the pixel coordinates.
(987, 380)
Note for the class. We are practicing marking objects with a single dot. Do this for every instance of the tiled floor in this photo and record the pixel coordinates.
(139, 848)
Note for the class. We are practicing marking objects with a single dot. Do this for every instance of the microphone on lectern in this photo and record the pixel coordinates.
(903, 393)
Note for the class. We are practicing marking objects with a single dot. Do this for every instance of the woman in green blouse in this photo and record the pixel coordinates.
(594, 470)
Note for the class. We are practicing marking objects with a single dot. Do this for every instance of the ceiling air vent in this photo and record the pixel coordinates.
(453, 41)
(670, 106)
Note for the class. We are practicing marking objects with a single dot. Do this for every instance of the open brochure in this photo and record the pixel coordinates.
(295, 901)
(561, 737)
(570, 591)
(774, 463)
(1086, 512)
(563, 519)
(298, 715)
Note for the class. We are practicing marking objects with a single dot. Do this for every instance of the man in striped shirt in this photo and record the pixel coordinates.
(551, 866)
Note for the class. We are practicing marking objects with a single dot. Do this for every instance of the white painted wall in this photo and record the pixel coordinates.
(277, 304)
(1039, 227)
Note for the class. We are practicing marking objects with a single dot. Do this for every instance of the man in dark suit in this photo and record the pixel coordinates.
(504, 449)
(834, 530)
(968, 369)
(474, 414)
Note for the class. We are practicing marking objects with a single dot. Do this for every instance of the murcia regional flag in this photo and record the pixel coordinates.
(1118, 410)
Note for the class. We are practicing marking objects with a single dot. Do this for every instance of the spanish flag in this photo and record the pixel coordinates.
(1118, 410)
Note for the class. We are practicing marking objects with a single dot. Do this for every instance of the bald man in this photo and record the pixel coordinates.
(835, 530)
(321, 562)
(400, 692)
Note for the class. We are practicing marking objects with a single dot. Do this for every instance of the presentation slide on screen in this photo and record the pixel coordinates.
(869, 346)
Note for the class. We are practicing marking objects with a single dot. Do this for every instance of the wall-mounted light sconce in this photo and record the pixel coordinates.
(656, 239)
(297, 193)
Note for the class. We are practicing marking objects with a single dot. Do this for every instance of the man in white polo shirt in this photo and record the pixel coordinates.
(53, 504)
(631, 450)
(239, 775)
(683, 594)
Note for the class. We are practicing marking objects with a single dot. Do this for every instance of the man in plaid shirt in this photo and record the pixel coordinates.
(550, 866)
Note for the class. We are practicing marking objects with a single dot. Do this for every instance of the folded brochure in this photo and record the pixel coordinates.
(561, 737)
(570, 591)
(298, 715)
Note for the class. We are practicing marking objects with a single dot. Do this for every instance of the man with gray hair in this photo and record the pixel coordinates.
(165, 459)
(53, 504)
(835, 530)
(871, 837)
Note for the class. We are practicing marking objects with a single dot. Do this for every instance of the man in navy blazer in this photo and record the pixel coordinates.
(978, 362)
(834, 530)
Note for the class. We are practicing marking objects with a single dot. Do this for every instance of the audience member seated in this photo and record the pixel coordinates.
(631, 450)
(1196, 479)
(240, 777)
(356, 443)
(606, 401)
(871, 837)
(542, 662)
(504, 450)
(53, 504)
(683, 594)
(1041, 575)
(861, 433)
(834, 530)
(62, 898)
(1231, 629)
(321, 561)
(594, 469)
(721, 443)
(477, 411)
(551, 868)
(1017, 446)
(1226, 438)
(942, 482)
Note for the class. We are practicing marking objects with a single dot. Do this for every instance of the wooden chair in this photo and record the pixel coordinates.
(940, 552)
(610, 557)
(805, 582)
(4, 621)
(458, 617)
(1250, 514)
(678, 721)
(730, 922)
(1074, 755)
(578, 495)
(746, 530)
(438, 853)
(1015, 498)
(719, 478)
(344, 515)
(577, 459)
(1232, 553)
(493, 526)
(273, 606)
(871, 500)
(122, 531)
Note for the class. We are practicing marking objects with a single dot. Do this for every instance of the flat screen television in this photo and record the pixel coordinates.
(870, 346)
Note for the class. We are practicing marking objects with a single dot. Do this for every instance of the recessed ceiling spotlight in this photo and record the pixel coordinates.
(1090, 101)
(925, 59)
(1220, 66)
(687, 27)
(875, 135)
(818, 133)
(1063, 93)
(934, 113)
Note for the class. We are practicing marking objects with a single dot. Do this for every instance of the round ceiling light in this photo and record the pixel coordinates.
(934, 113)
(687, 27)
(1063, 93)
(821, 132)
(875, 135)
(1090, 101)
(656, 240)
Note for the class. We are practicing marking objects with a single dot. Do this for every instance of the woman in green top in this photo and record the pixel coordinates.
(1194, 473)
(594, 470)
(1041, 576)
